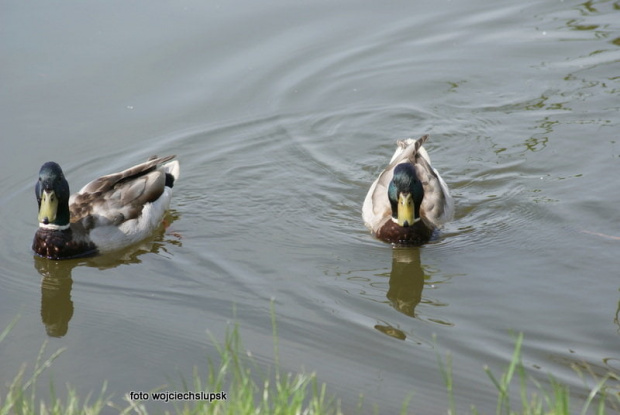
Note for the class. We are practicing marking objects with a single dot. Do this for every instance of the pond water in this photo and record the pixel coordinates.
(282, 114)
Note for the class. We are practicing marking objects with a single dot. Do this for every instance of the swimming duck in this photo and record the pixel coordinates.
(109, 213)
(409, 199)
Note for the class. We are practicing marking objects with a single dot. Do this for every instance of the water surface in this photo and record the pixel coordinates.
(282, 115)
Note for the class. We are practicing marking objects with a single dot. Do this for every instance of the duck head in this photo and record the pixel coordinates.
(405, 193)
(52, 192)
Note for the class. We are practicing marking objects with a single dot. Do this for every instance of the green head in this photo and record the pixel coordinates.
(52, 192)
(405, 193)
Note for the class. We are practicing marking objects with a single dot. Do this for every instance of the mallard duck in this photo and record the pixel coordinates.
(109, 213)
(409, 199)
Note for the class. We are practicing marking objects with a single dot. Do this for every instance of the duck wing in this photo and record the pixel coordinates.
(118, 197)
(437, 206)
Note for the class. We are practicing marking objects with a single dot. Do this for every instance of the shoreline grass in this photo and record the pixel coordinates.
(287, 393)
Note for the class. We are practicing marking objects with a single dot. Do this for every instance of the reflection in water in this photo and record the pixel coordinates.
(391, 331)
(406, 280)
(406, 284)
(56, 303)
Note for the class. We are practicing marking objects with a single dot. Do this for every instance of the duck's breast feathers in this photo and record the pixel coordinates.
(391, 232)
(65, 244)
(118, 197)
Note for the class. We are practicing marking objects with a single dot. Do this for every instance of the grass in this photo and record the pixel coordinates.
(552, 401)
(20, 397)
(282, 394)
(277, 393)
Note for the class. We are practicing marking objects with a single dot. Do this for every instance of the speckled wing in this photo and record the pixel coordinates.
(118, 197)
(437, 206)
(376, 208)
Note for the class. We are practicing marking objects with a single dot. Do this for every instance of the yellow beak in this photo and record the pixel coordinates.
(49, 207)
(405, 210)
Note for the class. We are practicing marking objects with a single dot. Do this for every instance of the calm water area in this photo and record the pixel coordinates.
(282, 113)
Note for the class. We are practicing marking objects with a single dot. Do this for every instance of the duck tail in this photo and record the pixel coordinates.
(172, 170)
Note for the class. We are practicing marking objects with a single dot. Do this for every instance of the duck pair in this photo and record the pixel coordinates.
(404, 205)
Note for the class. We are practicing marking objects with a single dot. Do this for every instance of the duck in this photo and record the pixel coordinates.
(409, 200)
(107, 214)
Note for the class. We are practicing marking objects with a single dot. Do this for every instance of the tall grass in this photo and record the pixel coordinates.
(554, 400)
(249, 391)
(235, 374)
(277, 393)
(21, 398)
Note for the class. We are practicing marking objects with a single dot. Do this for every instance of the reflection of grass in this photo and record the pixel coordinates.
(288, 394)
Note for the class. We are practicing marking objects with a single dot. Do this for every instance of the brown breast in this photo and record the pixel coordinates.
(392, 232)
(54, 244)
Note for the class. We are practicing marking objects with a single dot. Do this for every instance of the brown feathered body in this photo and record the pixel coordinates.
(112, 212)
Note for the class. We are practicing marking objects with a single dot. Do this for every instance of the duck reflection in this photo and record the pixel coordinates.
(56, 303)
(391, 331)
(406, 280)
(405, 286)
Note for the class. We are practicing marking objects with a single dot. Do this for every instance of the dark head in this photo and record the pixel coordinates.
(52, 191)
(405, 193)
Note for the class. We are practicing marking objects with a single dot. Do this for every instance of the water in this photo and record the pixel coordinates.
(282, 115)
